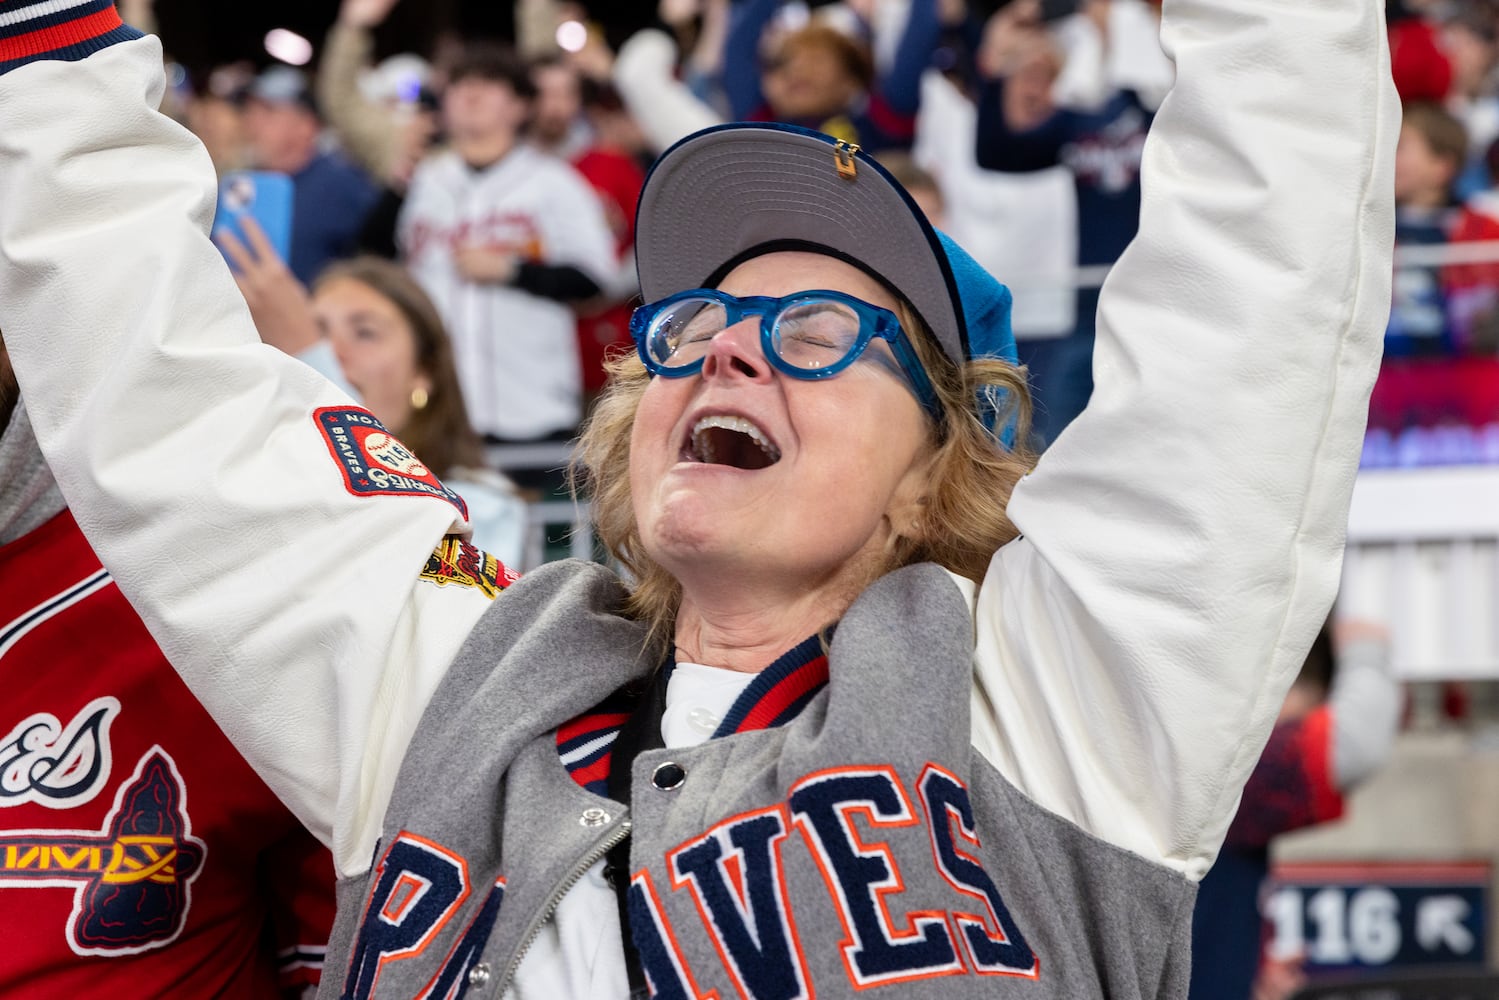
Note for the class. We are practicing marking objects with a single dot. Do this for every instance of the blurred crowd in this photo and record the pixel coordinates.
(503, 179)
(459, 228)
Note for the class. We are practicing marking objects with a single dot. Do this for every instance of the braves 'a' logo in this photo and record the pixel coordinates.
(131, 880)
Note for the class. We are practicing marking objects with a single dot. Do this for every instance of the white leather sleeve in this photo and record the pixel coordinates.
(188, 452)
(1182, 539)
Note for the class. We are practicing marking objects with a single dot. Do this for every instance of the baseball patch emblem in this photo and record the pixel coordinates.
(373, 461)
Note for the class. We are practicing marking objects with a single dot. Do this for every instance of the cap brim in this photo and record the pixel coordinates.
(725, 193)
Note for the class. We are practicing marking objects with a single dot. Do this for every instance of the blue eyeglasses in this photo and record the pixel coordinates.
(806, 335)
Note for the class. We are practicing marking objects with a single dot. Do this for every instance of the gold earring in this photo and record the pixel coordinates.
(418, 398)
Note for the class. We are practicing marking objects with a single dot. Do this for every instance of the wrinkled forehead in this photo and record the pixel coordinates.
(785, 272)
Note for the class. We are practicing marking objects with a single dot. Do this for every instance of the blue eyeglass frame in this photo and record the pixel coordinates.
(873, 322)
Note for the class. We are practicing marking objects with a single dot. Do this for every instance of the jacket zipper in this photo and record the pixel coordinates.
(593, 857)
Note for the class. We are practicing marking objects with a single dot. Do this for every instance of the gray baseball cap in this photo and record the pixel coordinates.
(732, 192)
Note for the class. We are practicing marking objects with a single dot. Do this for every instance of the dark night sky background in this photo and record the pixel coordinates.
(205, 33)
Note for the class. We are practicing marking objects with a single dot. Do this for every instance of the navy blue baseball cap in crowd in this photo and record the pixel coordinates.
(732, 192)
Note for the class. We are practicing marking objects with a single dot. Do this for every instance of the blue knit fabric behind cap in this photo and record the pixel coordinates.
(986, 306)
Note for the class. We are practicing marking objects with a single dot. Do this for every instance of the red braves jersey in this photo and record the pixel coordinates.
(139, 854)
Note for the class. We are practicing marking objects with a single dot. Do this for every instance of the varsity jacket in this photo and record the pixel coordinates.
(863, 844)
(1126, 657)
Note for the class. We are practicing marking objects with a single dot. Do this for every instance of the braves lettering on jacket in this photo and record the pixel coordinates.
(776, 869)
(137, 848)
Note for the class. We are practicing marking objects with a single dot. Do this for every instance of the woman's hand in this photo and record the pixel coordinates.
(278, 303)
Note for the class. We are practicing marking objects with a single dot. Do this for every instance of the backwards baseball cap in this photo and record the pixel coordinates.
(732, 192)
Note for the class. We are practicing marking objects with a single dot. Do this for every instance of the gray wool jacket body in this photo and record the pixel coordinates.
(863, 845)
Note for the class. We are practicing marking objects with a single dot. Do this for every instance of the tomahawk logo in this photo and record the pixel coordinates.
(131, 880)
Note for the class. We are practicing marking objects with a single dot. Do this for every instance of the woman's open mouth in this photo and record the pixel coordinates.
(732, 441)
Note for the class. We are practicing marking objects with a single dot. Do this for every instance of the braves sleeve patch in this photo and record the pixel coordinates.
(373, 462)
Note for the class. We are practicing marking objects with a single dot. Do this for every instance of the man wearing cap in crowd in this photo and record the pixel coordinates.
(506, 239)
(883, 705)
(332, 195)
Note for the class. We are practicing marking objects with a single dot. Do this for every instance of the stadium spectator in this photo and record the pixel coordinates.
(112, 769)
(1023, 226)
(1470, 39)
(331, 195)
(1436, 393)
(1021, 129)
(820, 77)
(1433, 146)
(920, 184)
(578, 119)
(505, 238)
(215, 113)
(378, 112)
(1420, 67)
(557, 123)
(369, 327)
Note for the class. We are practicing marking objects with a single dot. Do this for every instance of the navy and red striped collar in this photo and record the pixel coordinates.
(780, 691)
(65, 30)
(775, 697)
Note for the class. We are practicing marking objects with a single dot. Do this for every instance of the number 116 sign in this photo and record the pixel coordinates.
(1374, 915)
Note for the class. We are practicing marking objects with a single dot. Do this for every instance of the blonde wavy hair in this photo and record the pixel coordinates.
(963, 519)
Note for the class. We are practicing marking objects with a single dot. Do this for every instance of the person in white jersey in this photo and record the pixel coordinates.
(503, 238)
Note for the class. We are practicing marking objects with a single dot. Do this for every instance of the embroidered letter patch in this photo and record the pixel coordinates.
(373, 462)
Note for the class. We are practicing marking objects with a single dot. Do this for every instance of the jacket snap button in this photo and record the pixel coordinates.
(478, 975)
(669, 777)
(593, 817)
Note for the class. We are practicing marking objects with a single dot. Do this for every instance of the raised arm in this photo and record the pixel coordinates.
(1017, 135)
(1012, 148)
(278, 573)
(1182, 538)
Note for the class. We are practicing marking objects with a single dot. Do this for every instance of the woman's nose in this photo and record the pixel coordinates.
(735, 352)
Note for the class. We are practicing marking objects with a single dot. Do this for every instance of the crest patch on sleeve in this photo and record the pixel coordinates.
(373, 462)
(456, 561)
